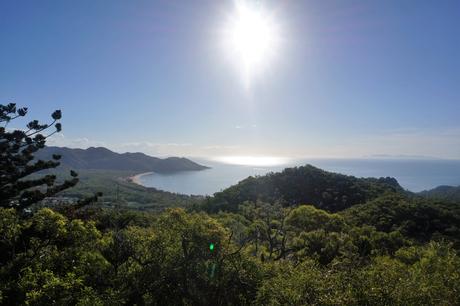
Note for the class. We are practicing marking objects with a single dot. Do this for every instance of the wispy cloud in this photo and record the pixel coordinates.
(155, 148)
(62, 141)
(242, 126)
(409, 142)
(148, 147)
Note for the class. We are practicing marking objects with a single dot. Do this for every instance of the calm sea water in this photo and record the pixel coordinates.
(414, 175)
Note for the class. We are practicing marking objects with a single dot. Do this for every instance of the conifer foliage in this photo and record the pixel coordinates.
(19, 188)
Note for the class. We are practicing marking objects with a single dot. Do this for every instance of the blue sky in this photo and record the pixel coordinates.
(349, 79)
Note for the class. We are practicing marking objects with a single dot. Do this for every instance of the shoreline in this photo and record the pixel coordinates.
(136, 178)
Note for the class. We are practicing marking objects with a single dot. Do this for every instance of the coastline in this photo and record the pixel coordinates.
(136, 178)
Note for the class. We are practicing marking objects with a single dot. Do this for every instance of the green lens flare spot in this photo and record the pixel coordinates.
(211, 247)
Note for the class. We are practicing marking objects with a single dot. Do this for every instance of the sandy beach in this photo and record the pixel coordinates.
(136, 178)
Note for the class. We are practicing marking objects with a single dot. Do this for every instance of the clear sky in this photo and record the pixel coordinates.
(347, 78)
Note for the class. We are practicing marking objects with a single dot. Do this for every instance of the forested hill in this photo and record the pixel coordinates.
(449, 193)
(104, 159)
(304, 185)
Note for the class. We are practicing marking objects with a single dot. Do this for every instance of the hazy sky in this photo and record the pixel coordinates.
(348, 78)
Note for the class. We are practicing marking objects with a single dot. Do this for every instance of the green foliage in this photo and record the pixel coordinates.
(168, 261)
(16, 164)
(433, 279)
(293, 186)
(361, 242)
(446, 193)
(308, 218)
(119, 192)
(415, 218)
(264, 255)
(46, 258)
(171, 263)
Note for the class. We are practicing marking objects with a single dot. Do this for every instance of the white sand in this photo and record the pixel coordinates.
(136, 178)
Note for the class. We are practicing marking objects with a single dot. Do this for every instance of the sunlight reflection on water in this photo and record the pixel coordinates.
(256, 161)
(414, 175)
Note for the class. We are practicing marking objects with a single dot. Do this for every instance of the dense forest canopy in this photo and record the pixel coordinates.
(300, 237)
(449, 193)
(307, 184)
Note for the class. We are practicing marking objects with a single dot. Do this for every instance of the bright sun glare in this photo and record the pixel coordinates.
(258, 161)
(251, 38)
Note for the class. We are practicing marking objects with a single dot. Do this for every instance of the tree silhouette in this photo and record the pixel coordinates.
(18, 189)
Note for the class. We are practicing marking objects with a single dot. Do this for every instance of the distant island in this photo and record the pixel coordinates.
(100, 158)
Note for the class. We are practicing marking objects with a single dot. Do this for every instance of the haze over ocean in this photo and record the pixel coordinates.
(412, 174)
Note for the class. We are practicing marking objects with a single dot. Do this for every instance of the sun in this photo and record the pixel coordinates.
(251, 38)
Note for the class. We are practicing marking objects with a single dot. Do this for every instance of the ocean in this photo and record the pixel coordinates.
(414, 175)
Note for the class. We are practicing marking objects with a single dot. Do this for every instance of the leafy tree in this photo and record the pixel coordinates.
(48, 258)
(267, 229)
(308, 218)
(416, 218)
(262, 248)
(304, 284)
(176, 259)
(17, 148)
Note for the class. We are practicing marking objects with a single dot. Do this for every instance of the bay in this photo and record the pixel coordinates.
(412, 174)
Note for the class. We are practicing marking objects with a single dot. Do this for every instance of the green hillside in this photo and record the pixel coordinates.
(303, 236)
(383, 246)
(449, 193)
(307, 184)
(118, 190)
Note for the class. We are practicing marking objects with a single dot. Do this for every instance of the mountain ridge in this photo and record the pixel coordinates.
(101, 158)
